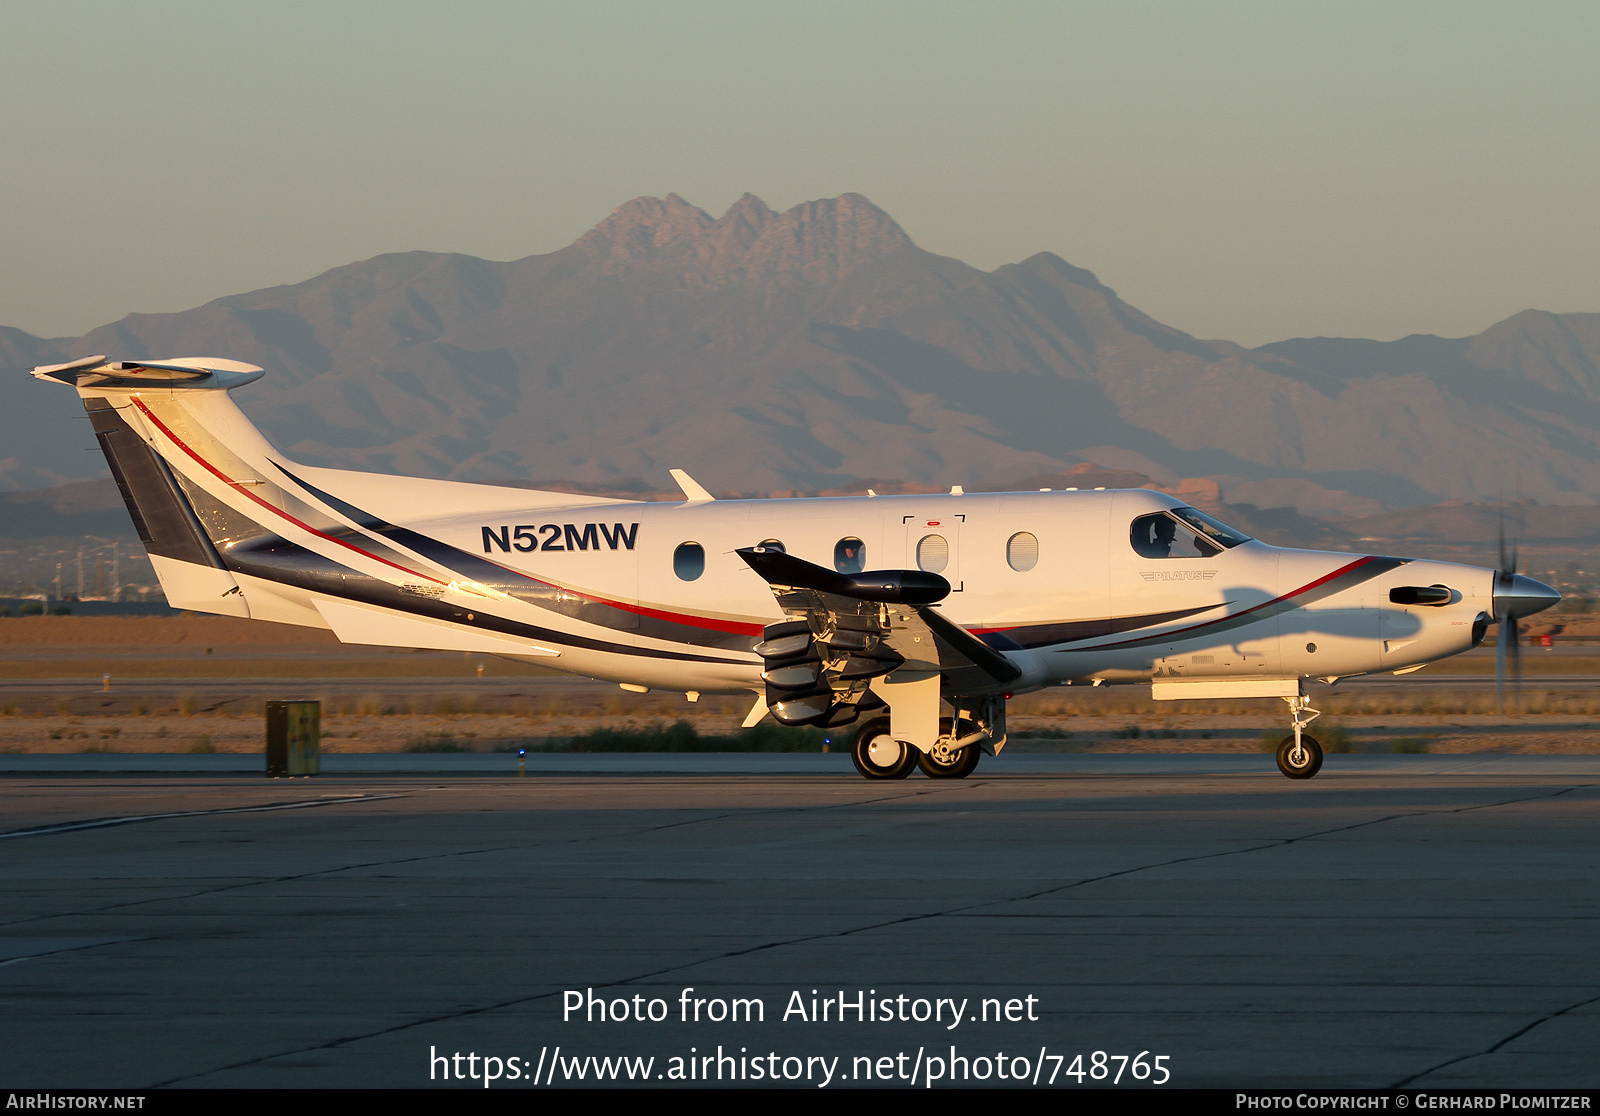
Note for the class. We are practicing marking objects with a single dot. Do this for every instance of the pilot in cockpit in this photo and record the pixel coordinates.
(1163, 531)
(1153, 536)
(1157, 535)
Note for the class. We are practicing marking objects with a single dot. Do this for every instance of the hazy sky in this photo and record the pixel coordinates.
(1250, 171)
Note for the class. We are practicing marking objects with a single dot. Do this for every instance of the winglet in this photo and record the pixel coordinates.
(913, 587)
(691, 488)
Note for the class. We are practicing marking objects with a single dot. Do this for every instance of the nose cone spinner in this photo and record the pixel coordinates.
(1516, 596)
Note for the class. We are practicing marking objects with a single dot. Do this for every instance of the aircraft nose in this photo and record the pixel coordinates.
(1517, 596)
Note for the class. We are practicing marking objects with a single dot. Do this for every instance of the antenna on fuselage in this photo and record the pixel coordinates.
(691, 488)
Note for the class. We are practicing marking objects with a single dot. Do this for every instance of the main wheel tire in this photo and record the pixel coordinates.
(964, 763)
(1310, 760)
(878, 755)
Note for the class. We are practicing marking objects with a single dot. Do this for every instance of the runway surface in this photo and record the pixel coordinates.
(1417, 920)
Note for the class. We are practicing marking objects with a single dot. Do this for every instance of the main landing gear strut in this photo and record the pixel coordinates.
(1300, 756)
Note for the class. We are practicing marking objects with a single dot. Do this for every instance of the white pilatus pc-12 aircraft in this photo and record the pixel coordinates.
(919, 616)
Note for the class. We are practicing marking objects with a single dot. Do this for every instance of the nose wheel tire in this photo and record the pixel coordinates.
(878, 755)
(1302, 764)
(961, 765)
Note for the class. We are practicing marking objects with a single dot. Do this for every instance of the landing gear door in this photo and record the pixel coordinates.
(933, 543)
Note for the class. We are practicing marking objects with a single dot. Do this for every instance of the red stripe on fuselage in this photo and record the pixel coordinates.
(1306, 588)
(244, 491)
(733, 627)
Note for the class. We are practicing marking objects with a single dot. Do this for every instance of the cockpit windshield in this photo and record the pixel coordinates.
(1213, 529)
(1183, 533)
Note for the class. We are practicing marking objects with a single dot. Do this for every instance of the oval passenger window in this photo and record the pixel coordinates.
(772, 544)
(1022, 551)
(689, 561)
(850, 555)
(933, 553)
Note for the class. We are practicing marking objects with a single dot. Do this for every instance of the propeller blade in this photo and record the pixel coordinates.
(1500, 656)
(1508, 548)
(1516, 664)
(1515, 596)
(1508, 664)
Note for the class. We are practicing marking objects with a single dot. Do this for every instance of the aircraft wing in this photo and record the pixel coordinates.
(894, 605)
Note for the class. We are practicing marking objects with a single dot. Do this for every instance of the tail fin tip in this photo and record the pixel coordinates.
(172, 372)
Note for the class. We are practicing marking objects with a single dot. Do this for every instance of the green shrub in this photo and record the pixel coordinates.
(436, 742)
(1335, 739)
(769, 736)
(682, 737)
(1409, 745)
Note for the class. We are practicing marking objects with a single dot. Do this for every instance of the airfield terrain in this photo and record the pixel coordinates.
(1400, 920)
(173, 917)
(196, 684)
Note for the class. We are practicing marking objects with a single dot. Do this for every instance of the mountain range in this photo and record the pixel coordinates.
(821, 349)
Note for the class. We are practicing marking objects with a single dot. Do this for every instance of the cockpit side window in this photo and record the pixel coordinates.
(1182, 533)
(1153, 535)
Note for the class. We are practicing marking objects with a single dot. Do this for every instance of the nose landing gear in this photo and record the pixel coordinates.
(1300, 756)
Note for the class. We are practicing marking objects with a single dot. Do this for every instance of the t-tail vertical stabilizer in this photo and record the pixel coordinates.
(234, 527)
(167, 432)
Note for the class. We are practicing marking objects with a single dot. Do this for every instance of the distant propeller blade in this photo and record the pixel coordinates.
(1508, 662)
(1515, 597)
(1500, 656)
(1508, 641)
(1516, 665)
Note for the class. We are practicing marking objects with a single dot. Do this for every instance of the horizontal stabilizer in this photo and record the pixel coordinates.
(913, 587)
(174, 372)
